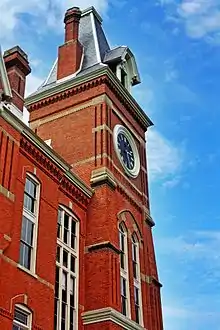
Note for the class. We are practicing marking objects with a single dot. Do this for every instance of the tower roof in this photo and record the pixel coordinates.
(96, 51)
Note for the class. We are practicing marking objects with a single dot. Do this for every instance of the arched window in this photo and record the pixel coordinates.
(28, 241)
(137, 280)
(66, 287)
(22, 318)
(124, 275)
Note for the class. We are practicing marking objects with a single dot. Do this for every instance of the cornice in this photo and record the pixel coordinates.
(102, 176)
(127, 99)
(101, 246)
(129, 196)
(149, 220)
(48, 159)
(73, 191)
(151, 280)
(6, 313)
(156, 282)
(77, 85)
(63, 87)
(66, 180)
(109, 314)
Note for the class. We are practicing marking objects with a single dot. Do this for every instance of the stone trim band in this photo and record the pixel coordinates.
(110, 314)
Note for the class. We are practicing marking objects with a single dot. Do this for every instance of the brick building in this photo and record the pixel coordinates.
(76, 246)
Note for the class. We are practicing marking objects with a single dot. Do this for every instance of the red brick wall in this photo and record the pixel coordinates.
(14, 281)
(77, 138)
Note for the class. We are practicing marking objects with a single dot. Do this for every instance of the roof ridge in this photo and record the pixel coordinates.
(116, 48)
(89, 10)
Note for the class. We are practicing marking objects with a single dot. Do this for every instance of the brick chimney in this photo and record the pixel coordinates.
(17, 66)
(70, 54)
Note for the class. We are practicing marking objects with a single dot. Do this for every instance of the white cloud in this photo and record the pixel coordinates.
(193, 7)
(171, 183)
(195, 245)
(46, 12)
(179, 312)
(180, 246)
(32, 83)
(164, 158)
(201, 18)
(210, 235)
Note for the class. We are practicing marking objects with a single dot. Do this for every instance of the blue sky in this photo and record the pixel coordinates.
(177, 47)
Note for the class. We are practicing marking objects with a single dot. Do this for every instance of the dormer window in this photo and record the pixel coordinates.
(113, 67)
(122, 63)
(124, 78)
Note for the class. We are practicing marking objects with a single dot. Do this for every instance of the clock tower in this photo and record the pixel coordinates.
(86, 113)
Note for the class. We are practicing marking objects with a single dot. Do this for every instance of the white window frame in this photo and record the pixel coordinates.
(59, 264)
(28, 313)
(124, 272)
(123, 66)
(33, 217)
(137, 280)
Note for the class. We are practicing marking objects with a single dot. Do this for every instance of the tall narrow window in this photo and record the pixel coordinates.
(123, 78)
(137, 280)
(65, 314)
(137, 304)
(22, 318)
(125, 297)
(19, 85)
(28, 239)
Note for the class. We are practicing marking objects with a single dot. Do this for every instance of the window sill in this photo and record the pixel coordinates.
(29, 272)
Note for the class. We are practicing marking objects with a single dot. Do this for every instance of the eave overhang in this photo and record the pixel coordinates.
(77, 81)
(21, 127)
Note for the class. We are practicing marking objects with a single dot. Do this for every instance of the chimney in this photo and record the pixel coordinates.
(70, 54)
(17, 66)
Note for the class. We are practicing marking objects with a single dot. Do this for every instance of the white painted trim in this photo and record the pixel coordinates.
(34, 219)
(137, 282)
(17, 112)
(59, 88)
(53, 66)
(75, 274)
(26, 311)
(4, 77)
(118, 71)
(109, 314)
(95, 37)
(49, 142)
(91, 10)
(124, 273)
(27, 271)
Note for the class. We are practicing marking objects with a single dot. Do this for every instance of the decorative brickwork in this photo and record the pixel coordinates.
(66, 203)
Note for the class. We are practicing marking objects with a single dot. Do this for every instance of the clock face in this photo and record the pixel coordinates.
(126, 150)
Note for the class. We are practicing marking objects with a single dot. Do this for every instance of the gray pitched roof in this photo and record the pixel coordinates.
(115, 54)
(96, 49)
